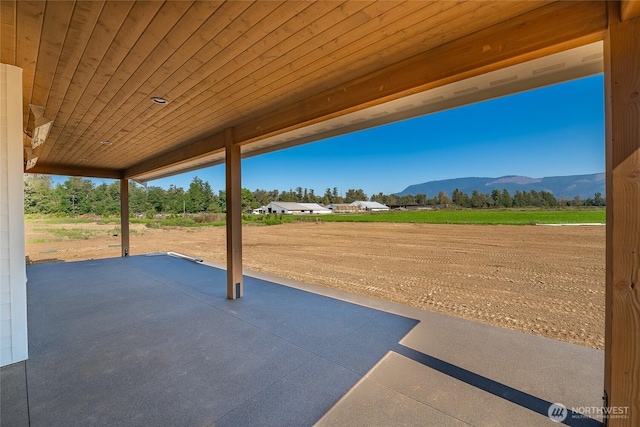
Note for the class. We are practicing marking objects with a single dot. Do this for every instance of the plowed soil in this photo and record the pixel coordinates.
(542, 280)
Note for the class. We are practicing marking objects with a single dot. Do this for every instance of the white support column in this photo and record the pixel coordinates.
(13, 276)
(234, 217)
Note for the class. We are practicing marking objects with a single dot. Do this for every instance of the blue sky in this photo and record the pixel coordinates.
(557, 130)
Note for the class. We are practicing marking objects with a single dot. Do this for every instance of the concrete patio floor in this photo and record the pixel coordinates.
(153, 341)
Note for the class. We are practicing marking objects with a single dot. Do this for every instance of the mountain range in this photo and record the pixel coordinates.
(562, 187)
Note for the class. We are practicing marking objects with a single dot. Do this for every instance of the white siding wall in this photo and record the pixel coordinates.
(13, 288)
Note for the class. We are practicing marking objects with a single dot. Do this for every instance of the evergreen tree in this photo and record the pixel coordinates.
(197, 199)
(312, 196)
(548, 199)
(156, 197)
(461, 199)
(408, 200)
(176, 200)
(105, 199)
(598, 200)
(222, 201)
(138, 199)
(479, 200)
(443, 198)
(262, 197)
(518, 199)
(496, 197)
(353, 195)
(327, 198)
(288, 196)
(507, 201)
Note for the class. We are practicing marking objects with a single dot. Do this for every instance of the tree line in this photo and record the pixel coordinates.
(79, 196)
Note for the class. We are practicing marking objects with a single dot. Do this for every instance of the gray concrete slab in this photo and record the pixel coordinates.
(154, 341)
(13, 396)
(100, 310)
(187, 370)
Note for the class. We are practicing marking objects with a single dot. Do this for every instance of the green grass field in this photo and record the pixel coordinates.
(504, 217)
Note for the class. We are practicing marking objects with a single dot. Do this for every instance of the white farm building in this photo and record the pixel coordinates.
(292, 208)
(371, 206)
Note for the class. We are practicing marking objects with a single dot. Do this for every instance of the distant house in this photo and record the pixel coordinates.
(371, 206)
(292, 208)
(343, 207)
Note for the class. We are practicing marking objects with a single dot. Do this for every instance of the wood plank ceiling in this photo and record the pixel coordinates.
(94, 65)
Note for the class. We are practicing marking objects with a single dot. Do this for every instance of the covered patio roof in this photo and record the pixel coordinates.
(278, 73)
(233, 79)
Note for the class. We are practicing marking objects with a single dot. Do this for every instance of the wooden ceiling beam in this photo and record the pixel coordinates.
(629, 9)
(57, 19)
(87, 172)
(29, 15)
(538, 33)
(192, 151)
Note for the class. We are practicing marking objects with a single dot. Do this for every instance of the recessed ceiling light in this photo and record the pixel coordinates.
(106, 143)
(159, 100)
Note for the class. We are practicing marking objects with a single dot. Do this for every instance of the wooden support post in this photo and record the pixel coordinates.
(622, 315)
(234, 217)
(124, 216)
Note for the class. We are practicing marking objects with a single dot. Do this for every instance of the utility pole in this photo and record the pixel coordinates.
(73, 204)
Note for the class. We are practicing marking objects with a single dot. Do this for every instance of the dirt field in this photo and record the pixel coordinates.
(542, 280)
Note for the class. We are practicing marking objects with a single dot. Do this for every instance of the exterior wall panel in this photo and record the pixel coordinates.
(13, 287)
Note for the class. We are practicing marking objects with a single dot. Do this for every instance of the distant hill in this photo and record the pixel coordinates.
(562, 187)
